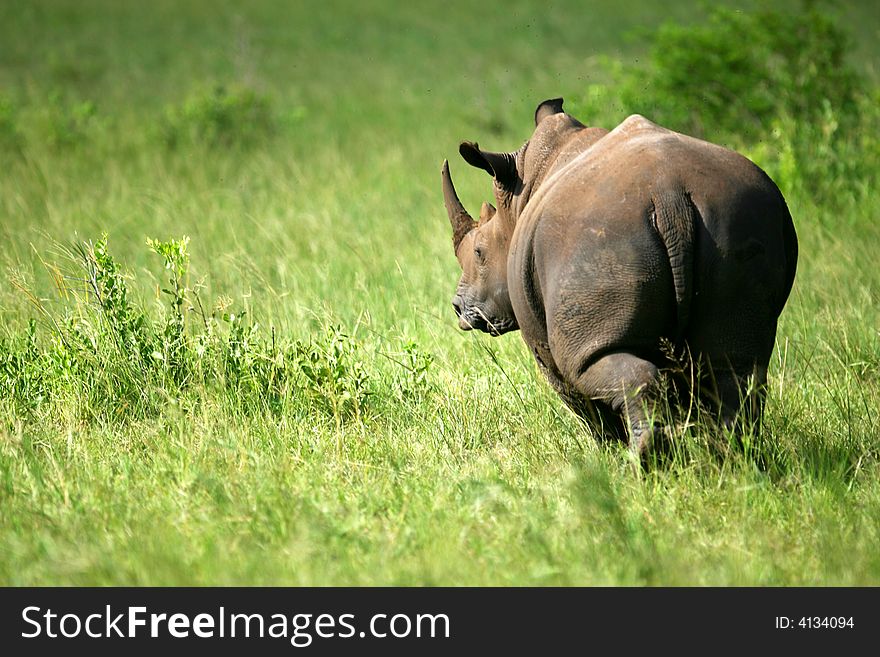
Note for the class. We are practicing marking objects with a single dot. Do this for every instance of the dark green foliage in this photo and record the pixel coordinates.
(126, 364)
(68, 123)
(219, 118)
(334, 372)
(415, 364)
(23, 377)
(740, 71)
(775, 84)
(258, 372)
(174, 354)
(10, 135)
(122, 363)
(128, 325)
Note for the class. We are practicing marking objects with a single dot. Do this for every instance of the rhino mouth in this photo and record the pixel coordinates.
(500, 328)
(471, 320)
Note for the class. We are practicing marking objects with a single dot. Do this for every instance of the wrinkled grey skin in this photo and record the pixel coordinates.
(610, 250)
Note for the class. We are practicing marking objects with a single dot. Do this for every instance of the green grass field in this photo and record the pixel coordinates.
(410, 453)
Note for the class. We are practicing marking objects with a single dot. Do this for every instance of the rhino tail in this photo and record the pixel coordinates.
(674, 217)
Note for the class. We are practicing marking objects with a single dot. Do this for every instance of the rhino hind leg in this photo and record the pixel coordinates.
(630, 387)
(735, 394)
(605, 423)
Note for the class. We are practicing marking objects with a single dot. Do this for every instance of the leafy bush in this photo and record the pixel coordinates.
(10, 136)
(741, 71)
(774, 84)
(68, 124)
(126, 324)
(120, 362)
(22, 376)
(412, 382)
(174, 354)
(334, 372)
(220, 117)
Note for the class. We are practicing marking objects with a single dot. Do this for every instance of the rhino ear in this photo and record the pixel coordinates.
(472, 154)
(487, 211)
(502, 166)
(548, 108)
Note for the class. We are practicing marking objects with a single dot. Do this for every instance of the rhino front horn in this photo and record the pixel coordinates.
(462, 222)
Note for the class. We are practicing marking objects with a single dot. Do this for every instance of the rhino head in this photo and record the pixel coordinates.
(481, 299)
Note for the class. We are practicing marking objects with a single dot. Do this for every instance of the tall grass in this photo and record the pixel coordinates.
(284, 397)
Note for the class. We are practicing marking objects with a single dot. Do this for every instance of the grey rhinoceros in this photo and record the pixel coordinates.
(611, 250)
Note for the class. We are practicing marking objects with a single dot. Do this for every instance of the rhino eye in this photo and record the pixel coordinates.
(478, 251)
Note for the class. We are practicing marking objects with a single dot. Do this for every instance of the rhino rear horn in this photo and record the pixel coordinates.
(502, 166)
(462, 222)
(548, 108)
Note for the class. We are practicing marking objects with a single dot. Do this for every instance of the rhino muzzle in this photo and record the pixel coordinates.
(471, 318)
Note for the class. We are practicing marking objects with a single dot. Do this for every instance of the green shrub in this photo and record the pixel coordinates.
(22, 378)
(174, 354)
(10, 136)
(741, 71)
(68, 124)
(335, 376)
(412, 380)
(218, 118)
(122, 363)
(127, 325)
(774, 84)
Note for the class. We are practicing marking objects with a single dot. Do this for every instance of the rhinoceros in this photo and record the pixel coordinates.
(618, 253)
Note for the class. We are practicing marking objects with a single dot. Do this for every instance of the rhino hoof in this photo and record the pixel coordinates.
(646, 443)
(642, 443)
(651, 445)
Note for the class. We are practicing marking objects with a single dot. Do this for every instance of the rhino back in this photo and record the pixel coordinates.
(589, 272)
